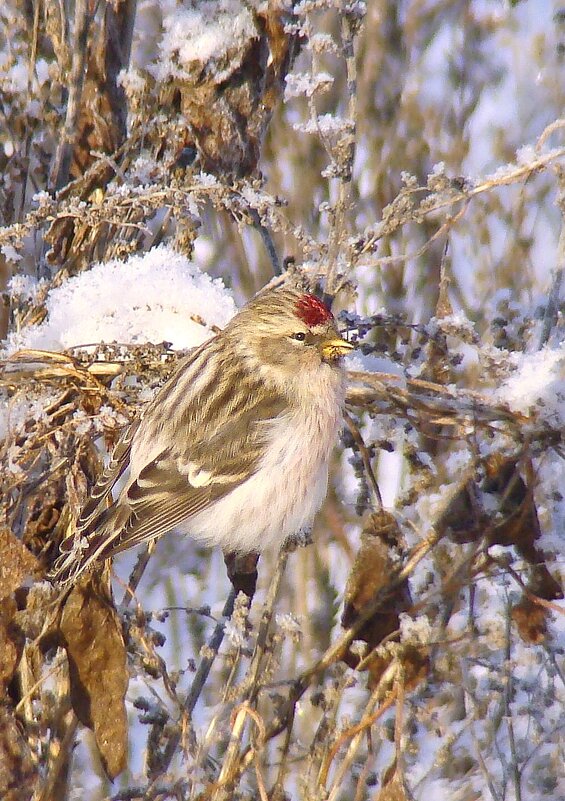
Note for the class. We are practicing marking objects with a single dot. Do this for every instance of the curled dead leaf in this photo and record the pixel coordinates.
(371, 573)
(91, 633)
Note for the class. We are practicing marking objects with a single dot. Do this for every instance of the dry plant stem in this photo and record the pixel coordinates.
(233, 764)
(361, 790)
(551, 316)
(338, 231)
(61, 762)
(354, 732)
(68, 367)
(130, 12)
(27, 697)
(521, 172)
(512, 765)
(399, 691)
(336, 649)
(278, 787)
(478, 715)
(345, 766)
(112, 209)
(28, 135)
(137, 574)
(200, 677)
(505, 568)
(444, 229)
(359, 441)
(333, 652)
(62, 161)
(267, 241)
(435, 403)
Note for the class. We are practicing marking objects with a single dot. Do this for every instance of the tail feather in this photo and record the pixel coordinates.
(98, 526)
(79, 553)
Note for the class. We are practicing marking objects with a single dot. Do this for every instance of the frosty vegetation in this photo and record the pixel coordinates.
(161, 161)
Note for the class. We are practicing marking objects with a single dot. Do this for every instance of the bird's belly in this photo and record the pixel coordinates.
(278, 500)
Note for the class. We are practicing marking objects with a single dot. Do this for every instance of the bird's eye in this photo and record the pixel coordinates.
(300, 336)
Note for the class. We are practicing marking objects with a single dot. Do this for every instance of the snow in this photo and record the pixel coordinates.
(152, 299)
(14, 74)
(537, 384)
(16, 412)
(24, 286)
(132, 81)
(204, 34)
(323, 43)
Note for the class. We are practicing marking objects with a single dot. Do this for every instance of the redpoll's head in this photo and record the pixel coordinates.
(289, 331)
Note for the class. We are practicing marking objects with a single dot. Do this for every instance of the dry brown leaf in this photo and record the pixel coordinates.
(531, 620)
(18, 768)
(11, 642)
(371, 573)
(461, 519)
(16, 563)
(228, 115)
(92, 636)
(392, 788)
(520, 525)
(515, 524)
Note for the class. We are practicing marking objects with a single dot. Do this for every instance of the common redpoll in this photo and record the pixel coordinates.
(234, 448)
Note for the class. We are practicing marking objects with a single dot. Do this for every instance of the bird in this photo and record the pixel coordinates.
(234, 449)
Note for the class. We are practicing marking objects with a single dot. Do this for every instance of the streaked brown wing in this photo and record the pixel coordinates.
(162, 496)
(118, 464)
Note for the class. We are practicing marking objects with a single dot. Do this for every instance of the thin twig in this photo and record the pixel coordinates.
(365, 456)
(508, 693)
(365, 723)
(137, 573)
(60, 762)
(62, 160)
(341, 208)
(267, 241)
(230, 768)
(199, 681)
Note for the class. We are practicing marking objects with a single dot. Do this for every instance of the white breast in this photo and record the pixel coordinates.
(284, 494)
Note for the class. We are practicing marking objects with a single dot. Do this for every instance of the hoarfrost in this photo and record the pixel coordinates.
(24, 286)
(10, 253)
(326, 124)
(303, 84)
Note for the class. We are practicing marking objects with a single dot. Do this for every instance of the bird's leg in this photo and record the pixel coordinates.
(242, 572)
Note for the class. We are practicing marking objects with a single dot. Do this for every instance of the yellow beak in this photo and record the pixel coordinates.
(335, 348)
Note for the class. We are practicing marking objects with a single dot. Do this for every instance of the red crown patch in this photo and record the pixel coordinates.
(312, 311)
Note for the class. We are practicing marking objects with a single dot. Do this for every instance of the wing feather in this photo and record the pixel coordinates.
(96, 503)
